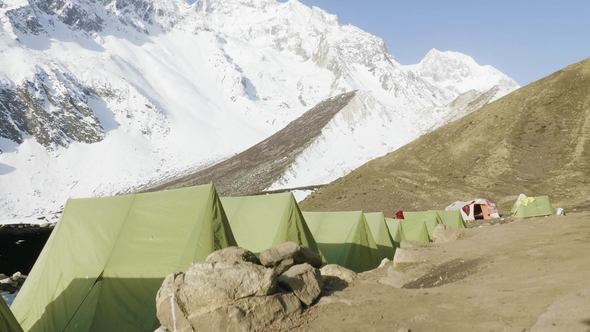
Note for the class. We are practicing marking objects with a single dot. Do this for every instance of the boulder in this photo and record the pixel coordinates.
(409, 256)
(206, 287)
(289, 250)
(444, 234)
(232, 291)
(249, 314)
(304, 280)
(210, 284)
(168, 311)
(223, 296)
(336, 277)
(232, 255)
(284, 265)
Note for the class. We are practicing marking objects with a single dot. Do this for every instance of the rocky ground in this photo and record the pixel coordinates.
(526, 275)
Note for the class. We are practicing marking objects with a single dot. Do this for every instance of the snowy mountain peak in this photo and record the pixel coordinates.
(461, 72)
(136, 90)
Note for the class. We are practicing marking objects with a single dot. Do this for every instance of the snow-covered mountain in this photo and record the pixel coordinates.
(98, 97)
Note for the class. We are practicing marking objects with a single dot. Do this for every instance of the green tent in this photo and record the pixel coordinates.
(452, 219)
(395, 230)
(7, 321)
(264, 221)
(414, 230)
(532, 207)
(103, 264)
(380, 232)
(430, 219)
(344, 238)
(407, 230)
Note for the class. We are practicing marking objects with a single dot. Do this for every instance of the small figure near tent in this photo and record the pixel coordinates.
(479, 208)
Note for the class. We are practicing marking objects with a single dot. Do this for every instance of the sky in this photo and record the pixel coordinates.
(526, 39)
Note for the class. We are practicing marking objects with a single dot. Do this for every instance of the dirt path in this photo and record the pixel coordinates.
(496, 278)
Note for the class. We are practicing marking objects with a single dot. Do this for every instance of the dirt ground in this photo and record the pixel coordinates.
(527, 275)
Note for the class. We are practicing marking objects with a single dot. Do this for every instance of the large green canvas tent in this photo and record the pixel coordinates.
(532, 207)
(380, 232)
(414, 230)
(407, 230)
(430, 219)
(264, 221)
(7, 321)
(105, 261)
(344, 238)
(452, 219)
(395, 230)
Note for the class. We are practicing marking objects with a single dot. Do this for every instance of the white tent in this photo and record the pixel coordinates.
(479, 208)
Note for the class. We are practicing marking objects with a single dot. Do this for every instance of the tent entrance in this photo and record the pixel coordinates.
(481, 212)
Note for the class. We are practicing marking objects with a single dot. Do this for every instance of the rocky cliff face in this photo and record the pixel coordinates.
(52, 110)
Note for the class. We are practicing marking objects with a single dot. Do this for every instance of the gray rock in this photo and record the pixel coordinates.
(409, 256)
(206, 284)
(166, 304)
(336, 277)
(273, 256)
(206, 287)
(284, 265)
(304, 280)
(220, 296)
(232, 255)
(444, 234)
(249, 314)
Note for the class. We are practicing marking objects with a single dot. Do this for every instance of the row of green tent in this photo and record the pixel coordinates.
(106, 259)
(419, 226)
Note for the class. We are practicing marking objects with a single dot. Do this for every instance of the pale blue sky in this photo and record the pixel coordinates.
(525, 39)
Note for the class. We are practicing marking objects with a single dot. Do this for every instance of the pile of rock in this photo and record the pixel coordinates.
(13, 283)
(233, 290)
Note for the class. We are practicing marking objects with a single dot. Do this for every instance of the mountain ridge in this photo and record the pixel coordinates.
(533, 140)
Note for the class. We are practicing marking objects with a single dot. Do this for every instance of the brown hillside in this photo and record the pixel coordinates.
(535, 140)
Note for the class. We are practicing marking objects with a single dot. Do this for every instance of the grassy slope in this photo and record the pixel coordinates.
(535, 140)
